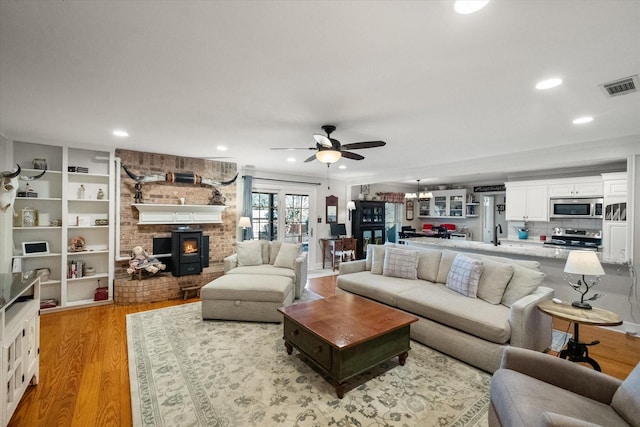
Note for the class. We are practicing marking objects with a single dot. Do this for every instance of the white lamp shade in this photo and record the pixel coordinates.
(244, 222)
(351, 205)
(410, 195)
(583, 262)
(328, 156)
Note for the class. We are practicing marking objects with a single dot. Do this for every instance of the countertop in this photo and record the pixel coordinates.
(529, 247)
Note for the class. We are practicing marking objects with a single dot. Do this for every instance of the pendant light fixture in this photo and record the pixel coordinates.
(419, 194)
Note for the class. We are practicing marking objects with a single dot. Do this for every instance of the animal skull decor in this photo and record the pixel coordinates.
(9, 187)
(179, 177)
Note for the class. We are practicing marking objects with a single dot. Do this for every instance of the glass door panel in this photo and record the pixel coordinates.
(455, 205)
(440, 206)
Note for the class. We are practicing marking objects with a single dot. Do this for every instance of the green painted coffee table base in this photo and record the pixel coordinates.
(341, 364)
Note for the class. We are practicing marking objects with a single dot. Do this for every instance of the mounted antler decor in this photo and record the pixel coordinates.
(178, 177)
(9, 186)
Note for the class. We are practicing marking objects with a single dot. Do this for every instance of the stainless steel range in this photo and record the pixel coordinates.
(576, 239)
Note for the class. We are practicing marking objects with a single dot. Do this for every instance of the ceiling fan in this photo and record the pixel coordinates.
(329, 150)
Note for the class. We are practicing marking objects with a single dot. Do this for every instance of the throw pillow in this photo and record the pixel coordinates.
(377, 258)
(249, 252)
(464, 275)
(428, 262)
(400, 263)
(523, 282)
(495, 278)
(445, 265)
(273, 251)
(287, 255)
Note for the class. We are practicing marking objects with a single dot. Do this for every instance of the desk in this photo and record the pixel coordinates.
(333, 245)
(576, 350)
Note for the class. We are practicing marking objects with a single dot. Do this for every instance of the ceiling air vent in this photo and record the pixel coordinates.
(622, 86)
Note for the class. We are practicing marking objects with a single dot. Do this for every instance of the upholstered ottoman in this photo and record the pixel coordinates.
(246, 297)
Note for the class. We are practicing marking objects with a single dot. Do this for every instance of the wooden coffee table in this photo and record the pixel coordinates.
(345, 335)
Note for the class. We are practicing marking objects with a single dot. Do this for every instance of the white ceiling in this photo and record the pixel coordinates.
(452, 95)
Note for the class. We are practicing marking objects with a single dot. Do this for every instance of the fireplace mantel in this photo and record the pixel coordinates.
(178, 214)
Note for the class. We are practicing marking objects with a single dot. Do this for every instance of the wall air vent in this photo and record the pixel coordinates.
(622, 86)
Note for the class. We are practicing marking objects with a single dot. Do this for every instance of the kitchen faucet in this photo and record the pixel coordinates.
(496, 242)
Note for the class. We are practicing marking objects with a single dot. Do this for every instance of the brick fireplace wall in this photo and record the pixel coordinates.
(221, 236)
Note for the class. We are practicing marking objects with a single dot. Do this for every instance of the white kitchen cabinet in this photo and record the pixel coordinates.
(614, 241)
(72, 207)
(444, 203)
(577, 187)
(527, 202)
(20, 339)
(615, 231)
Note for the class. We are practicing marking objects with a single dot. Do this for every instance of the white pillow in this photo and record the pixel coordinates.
(495, 278)
(400, 263)
(377, 258)
(523, 282)
(249, 252)
(287, 255)
(464, 275)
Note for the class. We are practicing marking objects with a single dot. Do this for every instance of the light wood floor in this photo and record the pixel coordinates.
(84, 377)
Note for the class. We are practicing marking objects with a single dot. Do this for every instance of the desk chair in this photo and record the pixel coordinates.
(343, 250)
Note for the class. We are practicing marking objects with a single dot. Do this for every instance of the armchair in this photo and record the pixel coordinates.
(537, 389)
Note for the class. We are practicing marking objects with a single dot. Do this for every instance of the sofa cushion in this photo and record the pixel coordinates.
(519, 400)
(626, 400)
(464, 275)
(249, 252)
(523, 282)
(400, 263)
(428, 262)
(474, 316)
(274, 248)
(287, 255)
(377, 258)
(265, 270)
(445, 265)
(494, 280)
(380, 288)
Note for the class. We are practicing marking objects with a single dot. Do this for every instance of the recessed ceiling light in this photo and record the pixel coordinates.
(121, 133)
(342, 167)
(549, 83)
(221, 148)
(465, 7)
(291, 159)
(582, 120)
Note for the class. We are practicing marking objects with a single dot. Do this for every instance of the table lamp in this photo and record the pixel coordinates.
(244, 223)
(351, 205)
(584, 263)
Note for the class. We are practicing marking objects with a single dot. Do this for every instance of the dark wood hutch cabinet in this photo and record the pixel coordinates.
(367, 225)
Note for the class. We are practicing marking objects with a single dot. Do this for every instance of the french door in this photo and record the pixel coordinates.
(284, 214)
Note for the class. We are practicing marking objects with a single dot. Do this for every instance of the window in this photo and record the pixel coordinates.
(297, 218)
(264, 216)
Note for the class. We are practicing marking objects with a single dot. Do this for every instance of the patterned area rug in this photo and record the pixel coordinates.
(188, 372)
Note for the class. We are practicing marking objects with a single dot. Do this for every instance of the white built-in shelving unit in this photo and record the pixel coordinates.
(79, 214)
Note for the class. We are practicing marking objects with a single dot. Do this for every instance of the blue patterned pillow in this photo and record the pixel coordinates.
(464, 275)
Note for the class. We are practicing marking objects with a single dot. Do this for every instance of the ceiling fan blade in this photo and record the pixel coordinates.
(291, 149)
(364, 144)
(352, 156)
(310, 159)
(322, 140)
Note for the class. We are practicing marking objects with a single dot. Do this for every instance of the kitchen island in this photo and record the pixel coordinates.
(616, 284)
(508, 247)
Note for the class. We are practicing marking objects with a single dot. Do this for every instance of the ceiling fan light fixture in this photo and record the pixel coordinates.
(328, 156)
(465, 7)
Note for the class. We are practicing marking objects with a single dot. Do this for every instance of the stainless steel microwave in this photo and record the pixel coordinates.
(575, 208)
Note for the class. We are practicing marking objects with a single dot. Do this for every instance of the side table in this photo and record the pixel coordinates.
(576, 350)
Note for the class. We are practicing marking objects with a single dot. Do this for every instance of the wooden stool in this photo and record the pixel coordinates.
(191, 288)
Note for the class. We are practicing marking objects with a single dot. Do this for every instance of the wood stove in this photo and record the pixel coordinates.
(189, 252)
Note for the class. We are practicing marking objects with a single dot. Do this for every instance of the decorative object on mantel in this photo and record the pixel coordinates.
(141, 261)
(583, 263)
(217, 198)
(178, 177)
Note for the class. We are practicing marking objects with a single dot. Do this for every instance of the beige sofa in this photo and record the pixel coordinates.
(535, 389)
(430, 284)
(261, 258)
